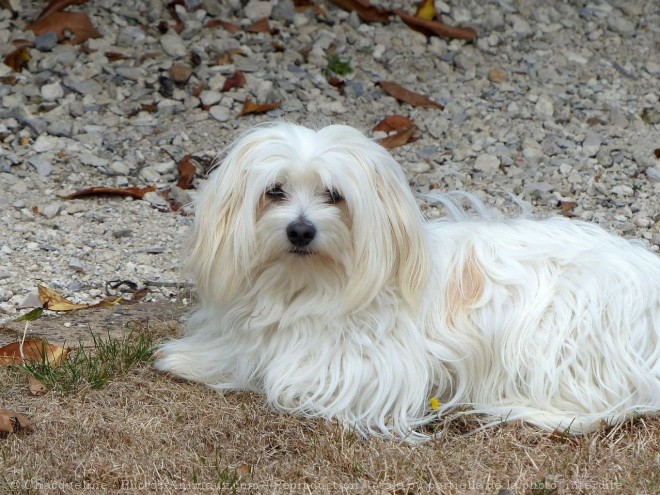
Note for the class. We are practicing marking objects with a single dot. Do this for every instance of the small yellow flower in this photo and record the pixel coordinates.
(434, 403)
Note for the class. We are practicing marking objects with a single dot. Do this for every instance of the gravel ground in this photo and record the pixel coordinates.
(554, 102)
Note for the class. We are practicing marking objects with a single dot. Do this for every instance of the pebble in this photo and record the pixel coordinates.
(487, 163)
(544, 107)
(180, 72)
(41, 165)
(255, 10)
(220, 113)
(173, 45)
(45, 42)
(653, 173)
(210, 97)
(591, 144)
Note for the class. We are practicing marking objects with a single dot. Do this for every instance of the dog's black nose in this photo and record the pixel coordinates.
(300, 233)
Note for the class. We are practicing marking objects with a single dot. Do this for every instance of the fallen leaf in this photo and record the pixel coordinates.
(133, 192)
(138, 295)
(425, 10)
(227, 26)
(11, 422)
(260, 26)
(236, 80)
(187, 172)
(251, 107)
(35, 314)
(366, 11)
(17, 59)
(61, 23)
(114, 56)
(402, 94)
(437, 28)
(36, 387)
(335, 82)
(57, 6)
(567, 208)
(32, 351)
(404, 136)
(392, 123)
(178, 22)
(54, 301)
(303, 5)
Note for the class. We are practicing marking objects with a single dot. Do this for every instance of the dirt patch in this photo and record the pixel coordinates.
(78, 326)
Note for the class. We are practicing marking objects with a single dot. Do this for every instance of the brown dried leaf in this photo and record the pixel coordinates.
(393, 123)
(187, 172)
(54, 301)
(251, 107)
(236, 80)
(133, 192)
(437, 28)
(366, 11)
(36, 387)
(11, 422)
(656, 152)
(260, 26)
(57, 6)
(227, 26)
(302, 5)
(403, 136)
(558, 436)
(33, 351)
(178, 22)
(61, 22)
(17, 59)
(405, 95)
(567, 208)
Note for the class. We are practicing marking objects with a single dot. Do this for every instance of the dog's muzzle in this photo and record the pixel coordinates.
(300, 233)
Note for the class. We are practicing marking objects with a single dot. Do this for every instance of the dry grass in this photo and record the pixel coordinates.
(147, 433)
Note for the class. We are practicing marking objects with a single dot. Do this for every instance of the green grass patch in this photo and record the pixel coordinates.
(338, 66)
(94, 366)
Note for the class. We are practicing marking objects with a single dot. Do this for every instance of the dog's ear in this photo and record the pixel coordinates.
(220, 248)
(389, 241)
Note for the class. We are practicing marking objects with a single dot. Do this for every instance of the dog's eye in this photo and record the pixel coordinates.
(276, 193)
(334, 196)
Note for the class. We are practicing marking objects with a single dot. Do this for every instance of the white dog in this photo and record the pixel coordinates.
(323, 288)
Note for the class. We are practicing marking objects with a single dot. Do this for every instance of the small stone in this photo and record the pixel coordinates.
(156, 199)
(51, 210)
(220, 113)
(284, 10)
(52, 91)
(487, 163)
(119, 233)
(520, 25)
(61, 128)
(151, 175)
(42, 165)
(45, 42)
(653, 173)
(173, 45)
(47, 143)
(497, 76)
(209, 97)
(591, 144)
(180, 72)
(621, 24)
(93, 160)
(31, 301)
(544, 106)
(77, 265)
(6, 295)
(256, 10)
(152, 250)
(623, 190)
(120, 168)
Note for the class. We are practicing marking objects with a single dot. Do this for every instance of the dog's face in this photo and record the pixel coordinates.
(315, 207)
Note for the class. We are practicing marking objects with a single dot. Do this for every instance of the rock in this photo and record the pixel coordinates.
(591, 144)
(157, 200)
(173, 45)
(623, 190)
(487, 163)
(120, 168)
(150, 175)
(283, 10)
(118, 233)
(50, 210)
(210, 97)
(544, 106)
(497, 76)
(256, 10)
(52, 91)
(653, 173)
(180, 72)
(220, 113)
(46, 143)
(42, 166)
(93, 160)
(45, 42)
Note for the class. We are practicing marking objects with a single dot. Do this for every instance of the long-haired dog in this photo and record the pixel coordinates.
(323, 288)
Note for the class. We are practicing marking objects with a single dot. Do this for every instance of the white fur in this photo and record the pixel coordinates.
(555, 322)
